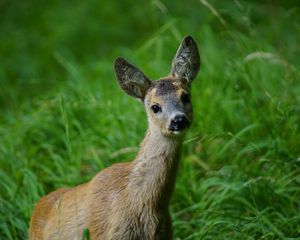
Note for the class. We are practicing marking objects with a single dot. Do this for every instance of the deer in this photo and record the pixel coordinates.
(130, 201)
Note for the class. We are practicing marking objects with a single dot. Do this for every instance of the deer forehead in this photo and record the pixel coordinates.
(165, 89)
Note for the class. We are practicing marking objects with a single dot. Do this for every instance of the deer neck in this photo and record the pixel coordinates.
(154, 169)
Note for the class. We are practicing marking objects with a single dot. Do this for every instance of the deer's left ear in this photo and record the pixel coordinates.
(186, 62)
(131, 79)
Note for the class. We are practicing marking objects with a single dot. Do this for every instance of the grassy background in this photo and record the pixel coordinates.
(63, 117)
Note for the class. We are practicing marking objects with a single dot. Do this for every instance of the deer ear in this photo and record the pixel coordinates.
(131, 79)
(186, 62)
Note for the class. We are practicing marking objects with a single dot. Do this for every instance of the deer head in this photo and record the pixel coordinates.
(167, 100)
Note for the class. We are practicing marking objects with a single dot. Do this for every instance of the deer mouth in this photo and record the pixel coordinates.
(177, 132)
(179, 128)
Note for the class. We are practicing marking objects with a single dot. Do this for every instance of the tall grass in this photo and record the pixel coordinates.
(63, 117)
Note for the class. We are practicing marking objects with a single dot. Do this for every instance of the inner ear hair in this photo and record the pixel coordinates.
(186, 62)
(131, 79)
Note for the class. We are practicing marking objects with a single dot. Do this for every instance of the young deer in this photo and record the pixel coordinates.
(129, 201)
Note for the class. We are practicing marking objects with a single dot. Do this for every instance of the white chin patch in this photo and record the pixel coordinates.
(176, 132)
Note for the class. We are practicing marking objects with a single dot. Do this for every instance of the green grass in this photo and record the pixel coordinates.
(63, 118)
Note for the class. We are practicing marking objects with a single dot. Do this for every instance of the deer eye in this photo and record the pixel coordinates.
(185, 98)
(156, 108)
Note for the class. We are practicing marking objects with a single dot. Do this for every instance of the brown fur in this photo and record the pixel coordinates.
(124, 201)
(127, 201)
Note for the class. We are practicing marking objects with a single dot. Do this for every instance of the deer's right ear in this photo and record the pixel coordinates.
(131, 79)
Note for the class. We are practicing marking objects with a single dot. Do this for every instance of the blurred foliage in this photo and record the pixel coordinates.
(63, 117)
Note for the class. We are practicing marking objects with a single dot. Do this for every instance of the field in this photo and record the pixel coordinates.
(63, 116)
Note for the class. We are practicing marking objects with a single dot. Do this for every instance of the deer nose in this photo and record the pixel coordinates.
(179, 122)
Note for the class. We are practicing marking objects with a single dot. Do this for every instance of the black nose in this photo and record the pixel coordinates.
(179, 122)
